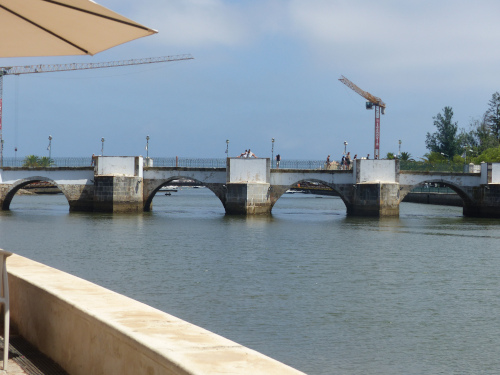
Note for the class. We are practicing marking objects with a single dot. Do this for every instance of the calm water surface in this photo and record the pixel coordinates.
(322, 292)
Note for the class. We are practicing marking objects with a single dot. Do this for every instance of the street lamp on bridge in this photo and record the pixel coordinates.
(227, 147)
(102, 146)
(272, 151)
(345, 147)
(50, 146)
(147, 147)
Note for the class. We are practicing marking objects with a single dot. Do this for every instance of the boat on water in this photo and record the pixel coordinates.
(169, 189)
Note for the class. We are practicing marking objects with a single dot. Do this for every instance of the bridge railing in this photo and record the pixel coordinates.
(416, 166)
(55, 162)
(419, 166)
(189, 162)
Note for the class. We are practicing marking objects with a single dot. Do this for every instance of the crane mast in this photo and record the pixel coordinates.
(48, 68)
(373, 101)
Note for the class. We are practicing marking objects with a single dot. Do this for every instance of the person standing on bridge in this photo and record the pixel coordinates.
(278, 159)
(250, 154)
(243, 154)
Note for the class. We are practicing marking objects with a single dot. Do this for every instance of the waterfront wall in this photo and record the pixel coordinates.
(444, 199)
(88, 329)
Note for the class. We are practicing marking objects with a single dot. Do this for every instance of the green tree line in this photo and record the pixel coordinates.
(480, 143)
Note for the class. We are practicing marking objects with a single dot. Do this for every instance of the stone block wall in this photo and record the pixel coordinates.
(118, 194)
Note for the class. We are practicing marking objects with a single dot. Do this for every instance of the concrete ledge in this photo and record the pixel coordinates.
(88, 329)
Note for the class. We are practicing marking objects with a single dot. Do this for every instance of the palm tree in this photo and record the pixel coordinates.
(45, 161)
(406, 156)
(31, 161)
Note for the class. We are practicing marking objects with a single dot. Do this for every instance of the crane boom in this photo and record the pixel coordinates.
(29, 69)
(372, 101)
(371, 98)
(82, 66)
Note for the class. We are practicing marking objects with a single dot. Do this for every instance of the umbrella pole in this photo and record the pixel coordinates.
(1, 137)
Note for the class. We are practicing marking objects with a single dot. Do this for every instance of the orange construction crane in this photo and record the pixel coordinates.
(373, 101)
(16, 70)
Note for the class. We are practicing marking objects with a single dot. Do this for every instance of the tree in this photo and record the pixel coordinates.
(390, 156)
(492, 115)
(445, 140)
(31, 161)
(491, 155)
(434, 158)
(405, 156)
(45, 161)
(37, 161)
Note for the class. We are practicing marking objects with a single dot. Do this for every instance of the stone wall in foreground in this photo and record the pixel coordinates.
(88, 329)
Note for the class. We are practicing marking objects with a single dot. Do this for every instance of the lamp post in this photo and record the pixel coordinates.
(272, 151)
(102, 147)
(345, 147)
(399, 153)
(50, 146)
(227, 148)
(147, 147)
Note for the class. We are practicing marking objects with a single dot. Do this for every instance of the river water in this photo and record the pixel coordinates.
(308, 286)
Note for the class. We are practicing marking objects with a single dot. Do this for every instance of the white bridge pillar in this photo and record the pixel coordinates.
(118, 184)
(248, 185)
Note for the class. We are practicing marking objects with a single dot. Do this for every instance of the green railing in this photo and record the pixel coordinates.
(418, 166)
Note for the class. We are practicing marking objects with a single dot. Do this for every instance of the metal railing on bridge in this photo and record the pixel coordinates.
(221, 163)
(55, 162)
(418, 166)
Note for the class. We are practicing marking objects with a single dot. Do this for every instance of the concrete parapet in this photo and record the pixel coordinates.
(88, 329)
(131, 166)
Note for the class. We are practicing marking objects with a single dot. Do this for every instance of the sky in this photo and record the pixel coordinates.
(263, 70)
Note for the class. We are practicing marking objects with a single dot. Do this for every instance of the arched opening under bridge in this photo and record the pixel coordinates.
(437, 192)
(306, 193)
(182, 193)
(33, 186)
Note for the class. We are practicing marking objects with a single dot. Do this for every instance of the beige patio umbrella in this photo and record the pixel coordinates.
(62, 27)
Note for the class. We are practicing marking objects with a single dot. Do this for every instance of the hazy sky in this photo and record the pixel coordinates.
(264, 69)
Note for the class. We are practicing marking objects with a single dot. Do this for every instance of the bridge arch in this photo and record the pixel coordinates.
(154, 186)
(279, 191)
(461, 192)
(9, 195)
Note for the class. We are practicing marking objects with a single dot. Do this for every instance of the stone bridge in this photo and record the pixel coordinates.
(250, 186)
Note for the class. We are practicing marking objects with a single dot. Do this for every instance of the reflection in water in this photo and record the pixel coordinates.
(308, 286)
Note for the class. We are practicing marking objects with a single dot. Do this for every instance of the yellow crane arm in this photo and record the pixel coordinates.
(371, 98)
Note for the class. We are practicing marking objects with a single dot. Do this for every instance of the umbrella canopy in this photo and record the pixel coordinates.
(62, 27)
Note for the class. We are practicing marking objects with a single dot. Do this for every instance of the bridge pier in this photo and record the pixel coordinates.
(247, 199)
(374, 199)
(486, 204)
(247, 187)
(118, 184)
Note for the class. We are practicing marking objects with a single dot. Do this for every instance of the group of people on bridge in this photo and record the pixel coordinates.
(344, 164)
(247, 154)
